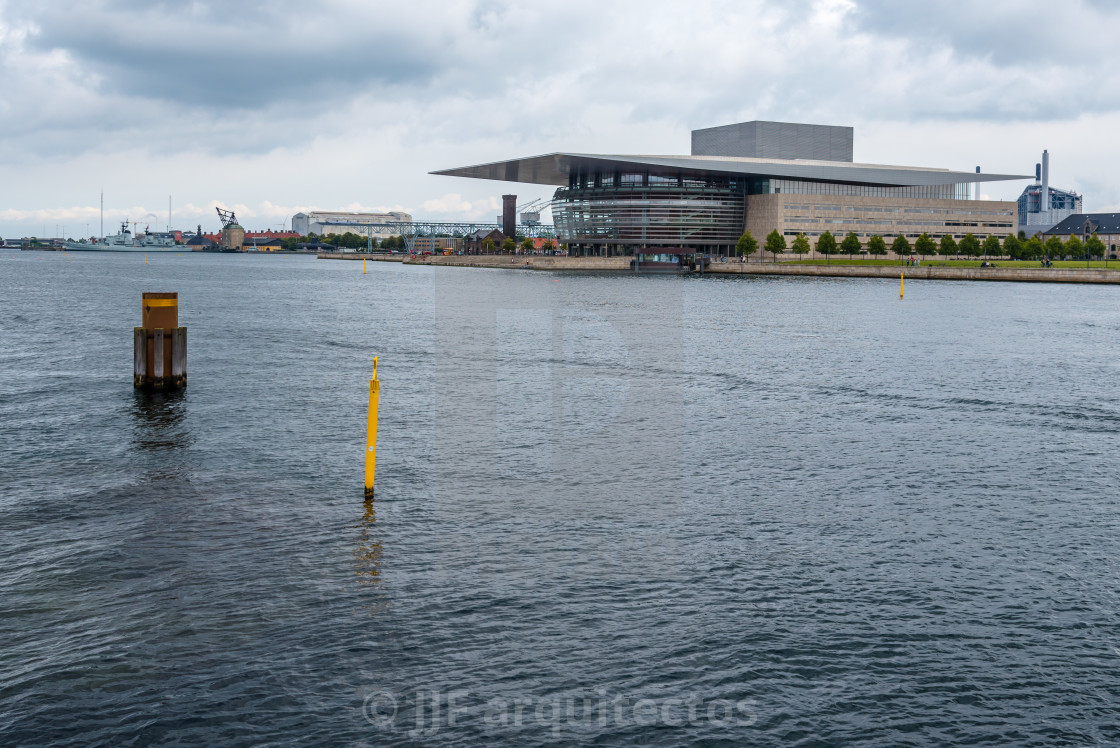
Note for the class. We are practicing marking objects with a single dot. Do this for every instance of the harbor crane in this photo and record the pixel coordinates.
(225, 216)
(530, 212)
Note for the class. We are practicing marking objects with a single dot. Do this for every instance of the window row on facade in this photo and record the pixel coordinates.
(874, 209)
(864, 235)
(607, 178)
(880, 222)
(800, 187)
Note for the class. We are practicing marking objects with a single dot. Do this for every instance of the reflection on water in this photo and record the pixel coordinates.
(159, 430)
(159, 421)
(367, 554)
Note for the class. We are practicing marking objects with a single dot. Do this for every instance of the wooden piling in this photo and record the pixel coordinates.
(159, 344)
(139, 355)
(157, 358)
(179, 357)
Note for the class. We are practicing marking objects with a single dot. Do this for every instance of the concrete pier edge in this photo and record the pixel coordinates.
(930, 272)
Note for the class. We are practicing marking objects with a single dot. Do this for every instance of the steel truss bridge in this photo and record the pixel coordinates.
(409, 230)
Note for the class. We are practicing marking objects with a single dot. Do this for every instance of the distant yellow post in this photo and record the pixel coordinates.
(363, 266)
(901, 284)
(145, 259)
(371, 432)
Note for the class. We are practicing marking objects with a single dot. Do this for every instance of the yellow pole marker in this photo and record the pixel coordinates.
(363, 266)
(145, 259)
(901, 284)
(371, 432)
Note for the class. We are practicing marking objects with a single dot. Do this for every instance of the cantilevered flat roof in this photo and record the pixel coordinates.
(553, 169)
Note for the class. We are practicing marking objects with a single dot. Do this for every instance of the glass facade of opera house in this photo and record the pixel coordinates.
(614, 211)
(749, 177)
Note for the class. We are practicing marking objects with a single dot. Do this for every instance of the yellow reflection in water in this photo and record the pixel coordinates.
(367, 555)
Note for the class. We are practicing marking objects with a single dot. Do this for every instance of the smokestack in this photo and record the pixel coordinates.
(509, 215)
(1044, 202)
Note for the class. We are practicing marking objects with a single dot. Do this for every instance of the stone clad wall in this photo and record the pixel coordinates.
(885, 216)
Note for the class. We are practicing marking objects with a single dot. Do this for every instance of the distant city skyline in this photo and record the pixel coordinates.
(292, 107)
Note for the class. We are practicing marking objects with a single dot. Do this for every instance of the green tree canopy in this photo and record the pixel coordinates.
(991, 246)
(1012, 247)
(925, 246)
(948, 245)
(901, 245)
(800, 245)
(970, 246)
(775, 243)
(488, 246)
(349, 240)
(509, 246)
(851, 244)
(1031, 249)
(826, 244)
(1095, 247)
(527, 245)
(548, 245)
(747, 245)
(1053, 247)
(876, 246)
(1075, 247)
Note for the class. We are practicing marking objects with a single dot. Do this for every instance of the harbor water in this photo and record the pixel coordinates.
(622, 509)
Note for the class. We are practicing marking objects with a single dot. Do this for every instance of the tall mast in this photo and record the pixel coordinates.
(102, 214)
(169, 214)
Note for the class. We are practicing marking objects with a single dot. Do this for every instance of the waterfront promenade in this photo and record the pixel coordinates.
(509, 262)
(926, 272)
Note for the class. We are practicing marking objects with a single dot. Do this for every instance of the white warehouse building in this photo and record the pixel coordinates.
(323, 222)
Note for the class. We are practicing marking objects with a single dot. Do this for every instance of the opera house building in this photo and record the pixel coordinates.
(751, 176)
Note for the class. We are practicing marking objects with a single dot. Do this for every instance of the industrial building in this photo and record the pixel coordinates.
(757, 176)
(1042, 206)
(321, 223)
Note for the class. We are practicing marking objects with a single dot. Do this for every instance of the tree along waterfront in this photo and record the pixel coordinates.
(1013, 247)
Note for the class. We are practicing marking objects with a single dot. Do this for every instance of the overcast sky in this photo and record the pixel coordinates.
(279, 106)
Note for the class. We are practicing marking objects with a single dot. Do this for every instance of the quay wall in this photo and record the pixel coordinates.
(1034, 275)
(525, 262)
(546, 262)
(361, 256)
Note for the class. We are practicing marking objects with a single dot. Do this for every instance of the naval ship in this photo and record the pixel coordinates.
(125, 241)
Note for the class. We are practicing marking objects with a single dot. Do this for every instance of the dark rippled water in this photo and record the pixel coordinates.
(609, 509)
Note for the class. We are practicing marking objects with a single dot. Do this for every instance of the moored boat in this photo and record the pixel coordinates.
(125, 241)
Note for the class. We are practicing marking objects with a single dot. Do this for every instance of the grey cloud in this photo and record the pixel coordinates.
(249, 77)
(1008, 32)
(231, 56)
